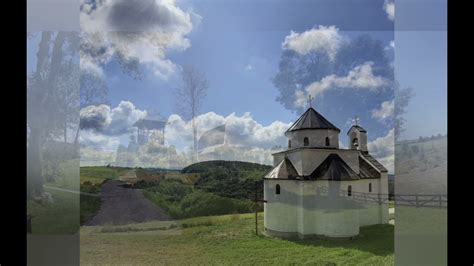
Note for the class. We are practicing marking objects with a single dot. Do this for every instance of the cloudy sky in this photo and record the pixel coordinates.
(243, 47)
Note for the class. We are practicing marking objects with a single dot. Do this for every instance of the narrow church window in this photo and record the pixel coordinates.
(277, 189)
(349, 191)
(355, 142)
(306, 141)
(289, 143)
(327, 141)
(370, 187)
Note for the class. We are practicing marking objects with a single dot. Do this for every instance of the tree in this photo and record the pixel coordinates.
(190, 95)
(55, 95)
(42, 101)
(93, 91)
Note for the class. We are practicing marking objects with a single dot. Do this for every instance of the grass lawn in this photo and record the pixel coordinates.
(421, 236)
(227, 239)
(98, 174)
(60, 217)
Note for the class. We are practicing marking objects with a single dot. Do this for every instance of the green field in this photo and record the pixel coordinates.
(227, 239)
(57, 218)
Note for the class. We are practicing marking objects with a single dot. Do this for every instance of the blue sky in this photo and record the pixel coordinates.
(239, 46)
(236, 34)
(421, 63)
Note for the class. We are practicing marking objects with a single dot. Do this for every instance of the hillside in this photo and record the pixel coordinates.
(208, 166)
(421, 166)
(229, 178)
(205, 188)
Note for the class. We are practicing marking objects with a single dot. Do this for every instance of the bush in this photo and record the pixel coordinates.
(201, 203)
(89, 207)
(171, 190)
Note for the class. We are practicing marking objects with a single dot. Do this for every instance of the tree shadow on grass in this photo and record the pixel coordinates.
(375, 239)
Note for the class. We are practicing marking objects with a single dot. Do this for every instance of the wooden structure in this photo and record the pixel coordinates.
(145, 127)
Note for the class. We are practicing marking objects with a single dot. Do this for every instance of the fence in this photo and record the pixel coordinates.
(412, 200)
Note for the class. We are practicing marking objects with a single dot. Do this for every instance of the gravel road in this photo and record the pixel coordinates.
(122, 205)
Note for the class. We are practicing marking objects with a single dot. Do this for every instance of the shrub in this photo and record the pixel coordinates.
(201, 203)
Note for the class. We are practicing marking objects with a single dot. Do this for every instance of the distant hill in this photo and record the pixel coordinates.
(207, 166)
(422, 165)
(231, 179)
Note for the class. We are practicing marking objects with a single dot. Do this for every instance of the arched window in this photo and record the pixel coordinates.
(370, 187)
(306, 141)
(289, 144)
(327, 141)
(277, 190)
(355, 142)
(349, 191)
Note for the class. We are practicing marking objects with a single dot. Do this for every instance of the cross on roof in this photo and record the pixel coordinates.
(355, 120)
(310, 98)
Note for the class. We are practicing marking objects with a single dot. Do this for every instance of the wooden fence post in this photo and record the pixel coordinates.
(256, 209)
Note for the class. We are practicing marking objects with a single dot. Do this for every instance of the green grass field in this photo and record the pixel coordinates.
(60, 217)
(224, 240)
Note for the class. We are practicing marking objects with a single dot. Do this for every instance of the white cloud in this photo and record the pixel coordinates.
(91, 67)
(142, 30)
(383, 149)
(323, 39)
(385, 111)
(390, 46)
(360, 77)
(113, 122)
(93, 157)
(240, 130)
(248, 67)
(389, 7)
(98, 141)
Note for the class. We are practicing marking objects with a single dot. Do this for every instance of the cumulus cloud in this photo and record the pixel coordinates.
(95, 117)
(324, 39)
(240, 130)
(94, 157)
(97, 141)
(112, 122)
(385, 111)
(360, 77)
(383, 149)
(389, 7)
(136, 30)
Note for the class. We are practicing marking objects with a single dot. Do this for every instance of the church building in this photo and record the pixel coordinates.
(318, 189)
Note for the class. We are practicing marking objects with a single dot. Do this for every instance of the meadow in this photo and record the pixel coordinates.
(227, 240)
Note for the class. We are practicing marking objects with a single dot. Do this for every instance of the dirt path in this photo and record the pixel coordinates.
(121, 205)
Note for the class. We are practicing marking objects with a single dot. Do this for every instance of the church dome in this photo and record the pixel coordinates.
(312, 120)
(312, 130)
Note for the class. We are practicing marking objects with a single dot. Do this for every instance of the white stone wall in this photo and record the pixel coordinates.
(316, 137)
(280, 211)
(322, 207)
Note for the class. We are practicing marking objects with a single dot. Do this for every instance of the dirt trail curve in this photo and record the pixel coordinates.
(121, 205)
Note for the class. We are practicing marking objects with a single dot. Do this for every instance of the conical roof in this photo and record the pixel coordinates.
(284, 170)
(333, 168)
(312, 120)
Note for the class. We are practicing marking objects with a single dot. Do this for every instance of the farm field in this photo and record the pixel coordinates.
(226, 239)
